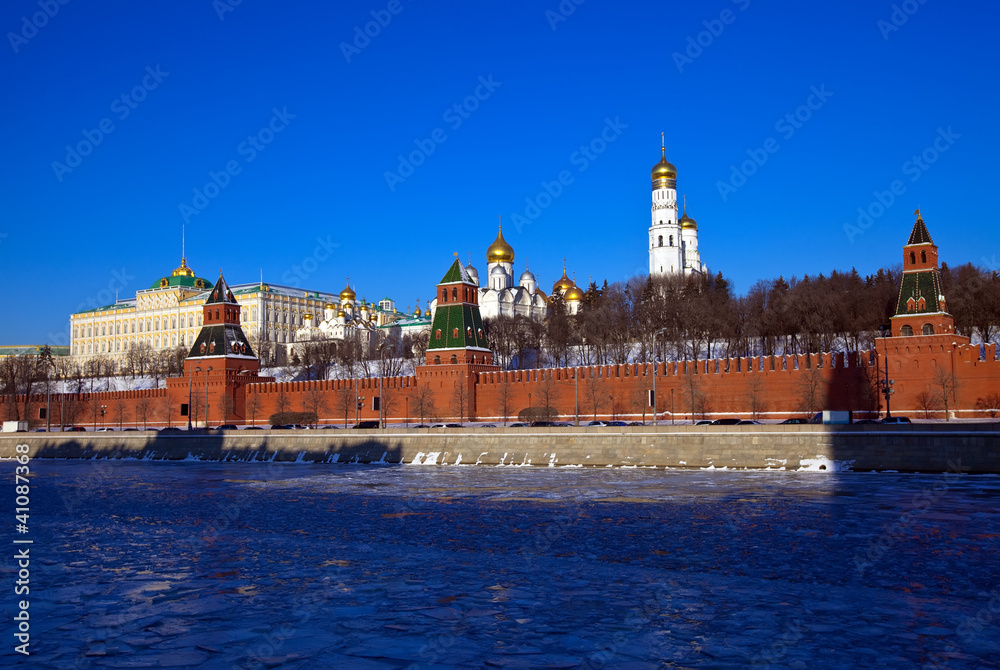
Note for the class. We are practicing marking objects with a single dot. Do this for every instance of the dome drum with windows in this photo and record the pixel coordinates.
(182, 276)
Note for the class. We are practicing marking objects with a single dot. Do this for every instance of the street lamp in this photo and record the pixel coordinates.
(576, 394)
(104, 409)
(671, 405)
(887, 383)
(197, 369)
(207, 370)
(530, 416)
(406, 418)
(381, 377)
(656, 365)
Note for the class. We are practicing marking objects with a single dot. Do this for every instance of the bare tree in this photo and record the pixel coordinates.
(990, 404)
(346, 401)
(810, 388)
(314, 401)
(423, 402)
(143, 409)
(547, 392)
(282, 403)
(946, 386)
(227, 407)
(505, 396)
(927, 402)
(460, 400)
(695, 398)
(387, 401)
(595, 394)
(254, 404)
(119, 410)
(755, 394)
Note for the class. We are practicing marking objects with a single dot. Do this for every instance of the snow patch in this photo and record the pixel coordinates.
(458, 461)
(824, 464)
(552, 460)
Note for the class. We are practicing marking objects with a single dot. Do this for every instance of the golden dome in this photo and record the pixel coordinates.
(687, 223)
(564, 284)
(329, 305)
(664, 169)
(341, 314)
(183, 270)
(500, 251)
(573, 295)
(417, 312)
(347, 293)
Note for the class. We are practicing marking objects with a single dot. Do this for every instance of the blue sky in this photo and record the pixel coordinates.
(311, 199)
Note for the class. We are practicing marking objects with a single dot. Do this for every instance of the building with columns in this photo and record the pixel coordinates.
(168, 314)
(673, 241)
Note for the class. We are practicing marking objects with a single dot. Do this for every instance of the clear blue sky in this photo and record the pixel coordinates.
(114, 220)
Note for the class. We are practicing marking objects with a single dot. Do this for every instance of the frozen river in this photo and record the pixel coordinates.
(208, 565)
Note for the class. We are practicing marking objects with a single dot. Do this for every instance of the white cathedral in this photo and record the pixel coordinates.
(673, 242)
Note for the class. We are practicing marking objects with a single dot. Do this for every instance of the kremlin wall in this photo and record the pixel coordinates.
(459, 383)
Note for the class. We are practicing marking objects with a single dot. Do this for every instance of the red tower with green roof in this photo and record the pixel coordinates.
(921, 308)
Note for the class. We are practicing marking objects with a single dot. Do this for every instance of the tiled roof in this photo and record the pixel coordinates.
(920, 235)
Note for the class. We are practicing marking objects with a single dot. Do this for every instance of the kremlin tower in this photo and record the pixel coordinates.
(673, 242)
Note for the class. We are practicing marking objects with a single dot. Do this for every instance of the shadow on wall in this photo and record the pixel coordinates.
(207, 446)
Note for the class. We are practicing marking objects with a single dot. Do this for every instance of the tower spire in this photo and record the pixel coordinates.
(663, 145)
(182, 244)
(685, 204)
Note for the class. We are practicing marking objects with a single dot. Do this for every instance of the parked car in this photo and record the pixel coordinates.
(518, 424)
(542, 424)
(563, 424)
(867, 421)
(285, 426)
(453, 425)
(896, 419)
(252, 428)
(170, 429)
(131, 430)
(617, 423)
(422, 425)
(597, 423)
(329, 426)
(703, 422)
(795, 421)
(365, 425)
(636, 423)
(726, 422)
(487, 425)
(227, 426)
(748, 422)
(105, 429)
(38, 430)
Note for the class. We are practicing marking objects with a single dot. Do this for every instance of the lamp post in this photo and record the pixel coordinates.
(357, 399)
(406, 418)
(529, 410)
(656, 365)
(48, 399)
(671, 405)
(381, 377)
(207, 370)
(104, 409)
(197, 369)
(887, 383)
(576, 395)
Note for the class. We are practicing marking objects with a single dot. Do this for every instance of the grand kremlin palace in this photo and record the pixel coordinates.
(169, 314)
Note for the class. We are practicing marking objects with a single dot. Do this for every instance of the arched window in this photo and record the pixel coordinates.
(660, 241)
(454, 359)
(437, 334)
(118, 329)
(906, 331)
(156, 324)
(454, 332)
(923, 256)
(437, 360)
(454, 293)
(913, 258)
(90, 332)
(928, 329)
(671, 240)
(191, 321)
(104, 330)
(133, 326)
(173, 323)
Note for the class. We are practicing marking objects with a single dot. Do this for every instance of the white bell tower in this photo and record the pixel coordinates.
(665, 247)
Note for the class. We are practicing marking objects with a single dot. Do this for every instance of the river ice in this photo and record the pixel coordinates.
(223, 565)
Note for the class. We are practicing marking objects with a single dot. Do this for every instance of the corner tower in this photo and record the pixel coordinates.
(921, 308)
(221, 338)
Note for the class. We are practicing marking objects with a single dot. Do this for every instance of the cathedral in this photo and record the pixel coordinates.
(673, 242)
(500, 295)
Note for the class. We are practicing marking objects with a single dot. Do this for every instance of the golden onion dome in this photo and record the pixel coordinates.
(564, 284)
(329, 305)
(687, 223)
(573, 295)
(417, 312)
(183, 270)
(500, 251)
(341, 314)
(347, 293)
(664, 169)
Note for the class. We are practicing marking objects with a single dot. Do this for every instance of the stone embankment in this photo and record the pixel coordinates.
(972, 448)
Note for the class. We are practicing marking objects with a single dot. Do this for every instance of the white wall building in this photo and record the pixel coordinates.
(673, 242)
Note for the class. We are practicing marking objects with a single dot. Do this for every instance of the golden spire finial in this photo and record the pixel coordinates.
(917, 212)
(685, 204)
(500, 222)
(456, 255)
(663, 145)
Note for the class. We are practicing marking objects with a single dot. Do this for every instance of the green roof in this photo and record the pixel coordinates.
(32, 349)
(916, 285)
(456, 274)
(189, 282)
(460, 325)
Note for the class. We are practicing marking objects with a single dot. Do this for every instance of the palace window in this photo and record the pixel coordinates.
(454, 359)
(118, 329)
(173, 323)
(660, 241)
(906, 331)
(671, 240)
(104, 330)
(191, 321)
(133, 326)
(156, 324)
(928, 329)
